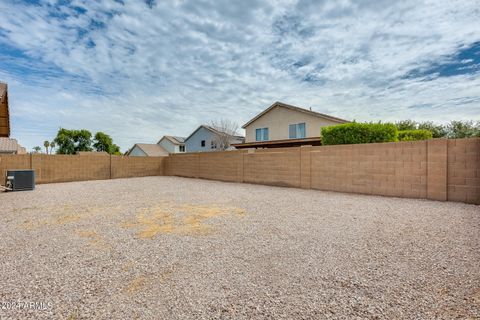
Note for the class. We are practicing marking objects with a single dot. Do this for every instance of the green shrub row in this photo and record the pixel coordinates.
(414, 135)
(353, 133)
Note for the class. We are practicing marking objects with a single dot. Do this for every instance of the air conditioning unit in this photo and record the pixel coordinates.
(19, 180)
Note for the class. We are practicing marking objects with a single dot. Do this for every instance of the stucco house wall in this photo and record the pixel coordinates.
(137, 152)
(169, 146)
(194, 142)
(278, 119)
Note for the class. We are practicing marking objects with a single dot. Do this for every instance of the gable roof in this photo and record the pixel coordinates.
(288, 106)
(4, 115)
(174, 139)
(150, 149)
(213, 130)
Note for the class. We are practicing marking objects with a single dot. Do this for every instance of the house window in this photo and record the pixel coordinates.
(182, 148)
(203, 143)
(261, 134)
(296, 131)
(213, 145)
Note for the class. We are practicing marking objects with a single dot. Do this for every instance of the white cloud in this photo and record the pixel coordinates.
(138, 73)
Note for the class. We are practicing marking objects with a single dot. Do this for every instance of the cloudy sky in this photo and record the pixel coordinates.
(140, 69)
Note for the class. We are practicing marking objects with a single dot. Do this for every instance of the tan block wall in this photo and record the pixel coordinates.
(223, 166)
(463, 180)
(66, 168)
(128, 167)
(436, 169)
(279, 167)
(391, 169)
(182, 165)
(13, 162)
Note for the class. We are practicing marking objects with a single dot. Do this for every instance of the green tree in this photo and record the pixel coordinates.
(73, 141)
(406, 125)
(437, 130)
(37, 149)
(46, 144)
(104, 143)
(463, 129)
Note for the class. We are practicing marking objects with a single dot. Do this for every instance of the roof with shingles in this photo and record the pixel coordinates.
(214, 130)
(8, 145)
(176, 140)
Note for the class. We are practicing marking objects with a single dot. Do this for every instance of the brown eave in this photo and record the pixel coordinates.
(4, 114)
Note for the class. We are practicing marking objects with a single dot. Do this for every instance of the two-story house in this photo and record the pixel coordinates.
(284, 125)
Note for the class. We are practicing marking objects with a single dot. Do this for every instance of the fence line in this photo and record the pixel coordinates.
(437, 169)
(66, 168)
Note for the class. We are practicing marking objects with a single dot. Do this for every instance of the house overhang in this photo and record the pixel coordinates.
(4, 114)
(314, 141)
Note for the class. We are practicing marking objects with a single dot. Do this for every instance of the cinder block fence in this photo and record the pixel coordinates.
(439, 169)
(67, 168)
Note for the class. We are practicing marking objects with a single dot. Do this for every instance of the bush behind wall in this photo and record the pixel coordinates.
(353, 133)
(414, 135)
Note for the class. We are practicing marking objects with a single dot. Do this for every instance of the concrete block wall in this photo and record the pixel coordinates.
(390, 169)
(183, 165)
(129, 167)
(223, 166)
(437, 169)
(279, 167)
(66, 168)
(463, 170)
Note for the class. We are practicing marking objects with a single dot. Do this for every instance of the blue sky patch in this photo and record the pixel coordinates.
(465, 61)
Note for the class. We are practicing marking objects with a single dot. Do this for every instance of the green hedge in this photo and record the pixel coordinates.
(414, 135)
(352, 133)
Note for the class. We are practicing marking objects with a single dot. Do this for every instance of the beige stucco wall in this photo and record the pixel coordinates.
(278, 119)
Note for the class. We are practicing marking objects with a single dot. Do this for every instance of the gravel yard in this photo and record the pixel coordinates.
(175, 248)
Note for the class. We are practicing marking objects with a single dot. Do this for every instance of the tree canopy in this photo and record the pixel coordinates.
(73, 141)
(453, 130)
(103, 142)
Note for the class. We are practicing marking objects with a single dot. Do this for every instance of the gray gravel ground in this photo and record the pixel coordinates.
(175, 248)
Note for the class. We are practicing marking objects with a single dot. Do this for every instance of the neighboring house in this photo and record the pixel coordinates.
(4, 116)
(11, 146)
(147, 150)
(206, 138)
(283, 125)
(172, 144)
